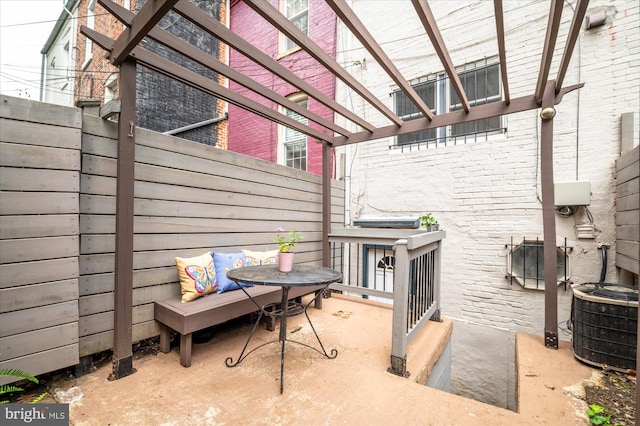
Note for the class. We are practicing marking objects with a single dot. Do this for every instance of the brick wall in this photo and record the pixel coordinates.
(486, 192)
(162, 104)
(256, 136)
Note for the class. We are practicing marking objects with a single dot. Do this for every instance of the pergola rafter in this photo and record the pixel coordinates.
(193, 79)
(574, 31)
(502, 50)
(215, 28)
(431, 27)
(555, 13)
(357, 28)
(279, 21)
(177, 44)
(126, 53)
(150, 14)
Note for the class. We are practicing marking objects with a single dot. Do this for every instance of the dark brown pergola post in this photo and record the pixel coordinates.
(549, 218)
(123, 309)
(326, 209)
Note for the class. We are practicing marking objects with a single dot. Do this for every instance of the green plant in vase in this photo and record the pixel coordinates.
(429, 221)
(285, 246)
(285, 256)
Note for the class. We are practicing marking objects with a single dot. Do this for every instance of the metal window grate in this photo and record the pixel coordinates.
(525, 263)
(481, 82)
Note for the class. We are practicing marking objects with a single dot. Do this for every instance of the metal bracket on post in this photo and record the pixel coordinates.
(398, 366)
(551, 340)
(121, 368)
(436, 316)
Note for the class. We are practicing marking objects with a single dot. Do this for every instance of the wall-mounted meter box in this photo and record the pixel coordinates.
(572, 193)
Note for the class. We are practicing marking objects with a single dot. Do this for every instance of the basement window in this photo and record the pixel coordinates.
(525, 263)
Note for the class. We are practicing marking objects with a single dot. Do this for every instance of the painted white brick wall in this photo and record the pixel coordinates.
(486, 192)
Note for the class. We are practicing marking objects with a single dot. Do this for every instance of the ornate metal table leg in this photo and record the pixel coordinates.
(283, 332)
(229, 361)
(334, 352)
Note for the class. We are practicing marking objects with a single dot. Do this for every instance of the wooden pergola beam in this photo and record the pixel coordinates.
(150, 14)
(489, 110)
(197, 81)
(574, 32)
(502, 52)
(555, 13)
(280, 22)
(431, 27)
(357, 28)
(161, 36)
(215, 28)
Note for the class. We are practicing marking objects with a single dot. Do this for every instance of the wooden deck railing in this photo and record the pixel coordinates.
(399, 266)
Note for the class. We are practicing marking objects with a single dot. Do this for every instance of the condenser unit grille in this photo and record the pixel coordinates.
(605, 328)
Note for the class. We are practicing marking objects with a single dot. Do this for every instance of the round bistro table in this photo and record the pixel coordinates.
(269, 275)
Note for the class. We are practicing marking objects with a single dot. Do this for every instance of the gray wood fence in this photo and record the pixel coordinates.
(40, 156)
(57, 225)
(627, 211)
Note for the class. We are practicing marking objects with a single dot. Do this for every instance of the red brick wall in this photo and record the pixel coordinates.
(92, 79)
(256, 136)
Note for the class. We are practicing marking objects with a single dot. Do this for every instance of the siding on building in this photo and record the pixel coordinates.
(257, 136)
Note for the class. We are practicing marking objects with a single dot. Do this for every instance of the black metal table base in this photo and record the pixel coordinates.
(286, 309)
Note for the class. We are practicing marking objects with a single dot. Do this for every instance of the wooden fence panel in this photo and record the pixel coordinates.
(39, 235)
(57, 235)
(628, 211)
(189, 199)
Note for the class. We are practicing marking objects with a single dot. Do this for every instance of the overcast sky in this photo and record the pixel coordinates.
(25, 26)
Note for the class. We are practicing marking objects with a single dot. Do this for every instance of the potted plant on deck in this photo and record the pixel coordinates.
(285, 256)
(428, 221)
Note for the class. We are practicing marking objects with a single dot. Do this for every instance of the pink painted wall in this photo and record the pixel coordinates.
(252, 135)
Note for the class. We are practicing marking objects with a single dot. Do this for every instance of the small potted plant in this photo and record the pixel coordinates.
(428, 221)
(285, 256)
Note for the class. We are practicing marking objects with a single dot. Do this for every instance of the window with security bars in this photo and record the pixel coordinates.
(407, 110)
(295, 143)
(525, 263)
(482, 86)
(481, 83)
(296, 11)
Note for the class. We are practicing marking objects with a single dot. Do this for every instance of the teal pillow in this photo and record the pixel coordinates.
(224, 262)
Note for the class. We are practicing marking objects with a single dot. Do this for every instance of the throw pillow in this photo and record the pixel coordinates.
(197, 276)
(256, 258)
(224, 262)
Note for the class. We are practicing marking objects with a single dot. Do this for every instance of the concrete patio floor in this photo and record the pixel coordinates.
(353, 389)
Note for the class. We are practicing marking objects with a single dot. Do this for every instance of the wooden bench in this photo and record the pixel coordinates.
(213, 309)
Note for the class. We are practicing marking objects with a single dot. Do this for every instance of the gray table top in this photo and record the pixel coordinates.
(300, 275)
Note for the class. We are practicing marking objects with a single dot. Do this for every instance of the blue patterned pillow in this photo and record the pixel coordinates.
(224, 262)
